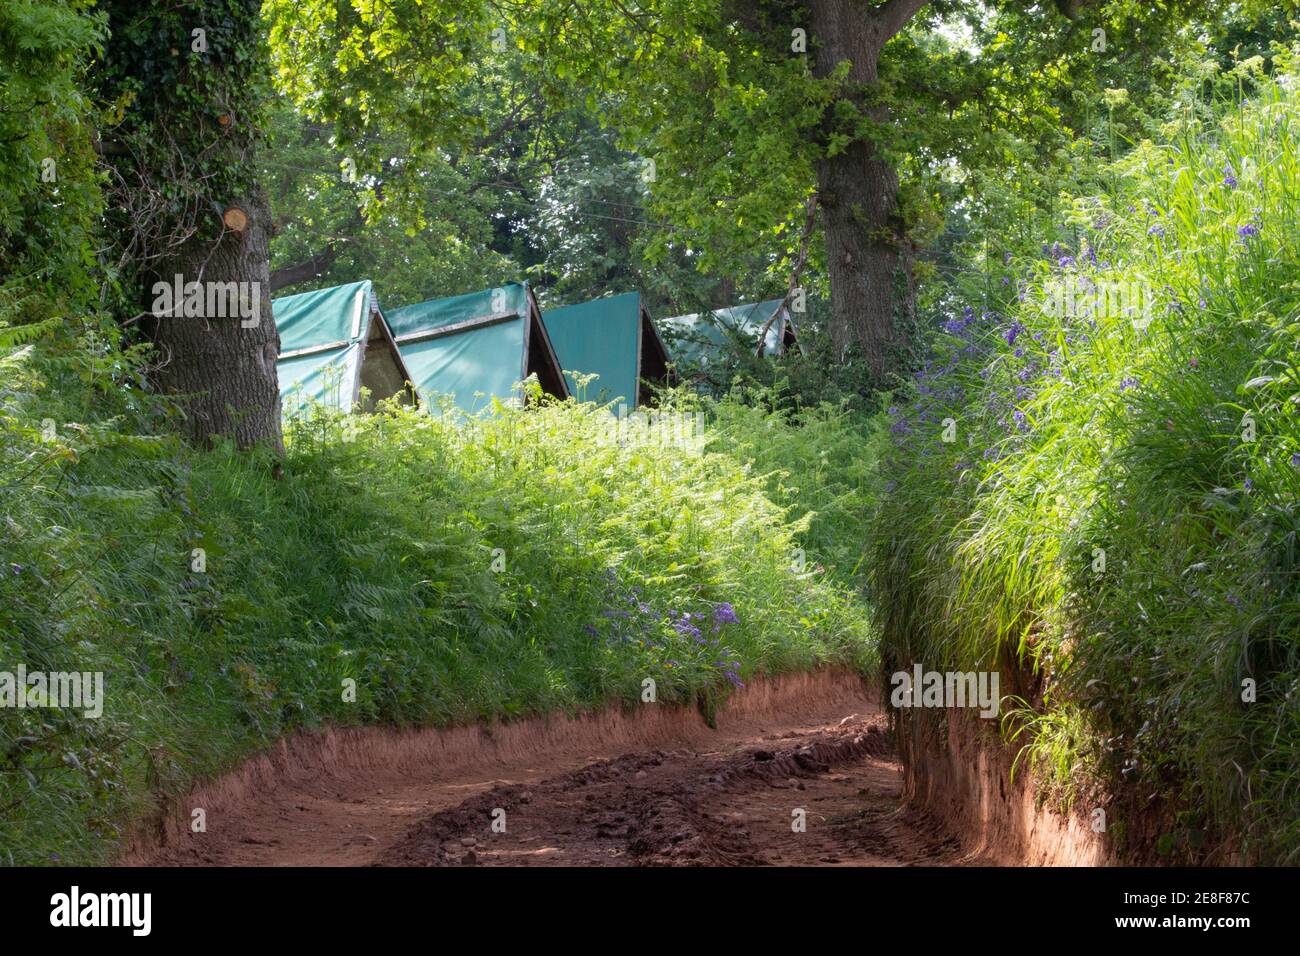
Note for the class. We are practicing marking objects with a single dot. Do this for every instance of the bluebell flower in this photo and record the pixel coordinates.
(687, 629)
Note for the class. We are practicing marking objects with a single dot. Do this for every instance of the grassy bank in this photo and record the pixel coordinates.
(524, 564)
(1115, 513)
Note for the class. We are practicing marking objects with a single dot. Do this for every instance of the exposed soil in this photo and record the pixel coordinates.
(651, 787)
(735, 807)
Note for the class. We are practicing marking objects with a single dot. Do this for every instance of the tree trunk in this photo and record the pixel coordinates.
(224, 367)
(185, 209)
(868, 255)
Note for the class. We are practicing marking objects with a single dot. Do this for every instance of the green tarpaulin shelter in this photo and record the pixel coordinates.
(334, 342)
(696, 337)
(615, 339)
(477, 347)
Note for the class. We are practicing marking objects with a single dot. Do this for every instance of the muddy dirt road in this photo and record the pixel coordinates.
(798, 772)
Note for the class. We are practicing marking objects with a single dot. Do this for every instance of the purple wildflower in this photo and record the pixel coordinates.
(686, 629)
(955, 326)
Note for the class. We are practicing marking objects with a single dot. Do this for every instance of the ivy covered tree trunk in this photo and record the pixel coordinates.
(192, 228)
(867, 250)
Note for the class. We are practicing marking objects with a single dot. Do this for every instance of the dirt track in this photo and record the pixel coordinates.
(605, 792)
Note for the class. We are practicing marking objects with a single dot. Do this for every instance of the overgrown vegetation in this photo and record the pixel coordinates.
(819, 461)
(520, 564)
(1115, 513)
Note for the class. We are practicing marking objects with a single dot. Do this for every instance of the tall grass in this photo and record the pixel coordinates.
(1117, 514)
(455, 571)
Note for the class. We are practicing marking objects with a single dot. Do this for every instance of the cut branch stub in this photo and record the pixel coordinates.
(236, 219)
